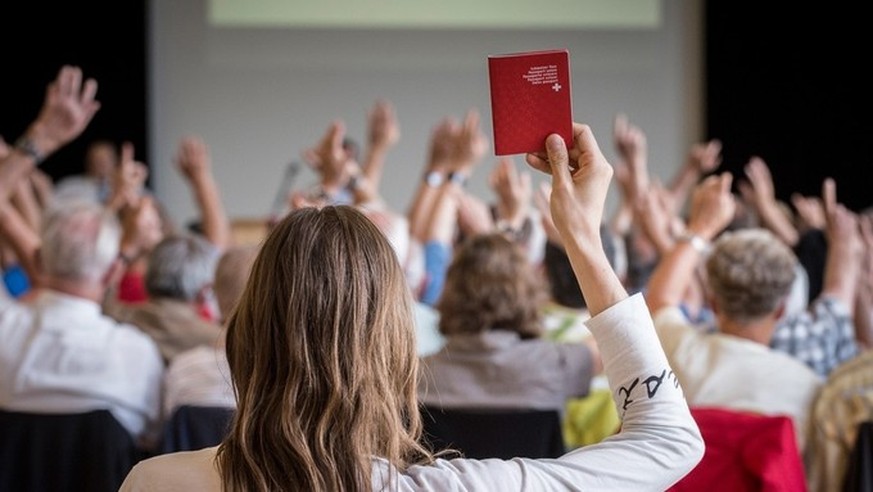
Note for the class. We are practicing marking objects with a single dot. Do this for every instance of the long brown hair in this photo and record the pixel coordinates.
(322, 357)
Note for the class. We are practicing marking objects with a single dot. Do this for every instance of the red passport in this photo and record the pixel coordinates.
(530, 99)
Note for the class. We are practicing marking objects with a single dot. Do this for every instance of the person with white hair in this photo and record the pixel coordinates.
(60, 354)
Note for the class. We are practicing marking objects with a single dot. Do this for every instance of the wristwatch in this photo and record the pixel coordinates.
(433, 179)
(699, 244)
(26, 146)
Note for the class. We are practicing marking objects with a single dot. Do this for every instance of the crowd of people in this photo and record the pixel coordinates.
(326, 337)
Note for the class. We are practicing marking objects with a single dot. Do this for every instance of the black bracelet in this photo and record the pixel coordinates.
(26, 146)
(457, 178)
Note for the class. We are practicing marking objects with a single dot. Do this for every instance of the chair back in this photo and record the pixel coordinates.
(494, 433)
(192, 427)
(745, 452)
(49, 452)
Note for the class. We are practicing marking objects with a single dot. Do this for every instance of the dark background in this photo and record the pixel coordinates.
(107, 39)
(793, 87)
(789, 86)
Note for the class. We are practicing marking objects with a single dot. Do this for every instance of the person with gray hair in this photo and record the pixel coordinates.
(201, 376)
(59, 353)
(180, 312)
(75, 358)
(749, 274)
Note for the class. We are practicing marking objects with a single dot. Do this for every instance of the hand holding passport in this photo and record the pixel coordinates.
(530, 99)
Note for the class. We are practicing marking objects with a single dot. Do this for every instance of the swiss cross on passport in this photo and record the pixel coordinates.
(530, 99)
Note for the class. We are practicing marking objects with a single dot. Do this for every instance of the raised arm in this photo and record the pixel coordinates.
(864, 298)
(23, 239)
(655, 421)
(760, 192)
(383, 134)
(68, 107)
(580, 181)
(128, 180)
(195, 164)
(712, 208)
(703, 158)
(513, 191)
(843, 263)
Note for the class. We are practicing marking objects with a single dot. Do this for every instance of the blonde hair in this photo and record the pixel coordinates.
(491, 285)
(750, 273)
(322, 356)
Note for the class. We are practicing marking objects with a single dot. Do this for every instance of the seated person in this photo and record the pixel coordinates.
(749, 275)
(200, 376)
(322, 355)
(59, 353)
(180, 309)
(494, 356)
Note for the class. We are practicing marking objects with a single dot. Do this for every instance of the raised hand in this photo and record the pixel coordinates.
(68, 107)
(655, 216)
(384, 131)
(328, 158)
(579, 187)
(129, 179)
(705, 156)
(541, 199)
(760, 193)
(474, 216)
(630, 142)
(810, 211)
(469, 143)
(712, 206)
(193, 158)
(578, 197)
(513, 190)
(141, 228)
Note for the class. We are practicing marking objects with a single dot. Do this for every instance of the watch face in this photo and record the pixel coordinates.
(434, 179)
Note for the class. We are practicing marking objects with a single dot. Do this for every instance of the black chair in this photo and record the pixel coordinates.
(71, 452)
(192, 427)
(494, 433)
(859, 470)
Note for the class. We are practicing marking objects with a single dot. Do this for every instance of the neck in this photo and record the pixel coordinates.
(86, 289)
(760, 330)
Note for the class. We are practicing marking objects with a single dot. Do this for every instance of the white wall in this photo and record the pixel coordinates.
(260, 96)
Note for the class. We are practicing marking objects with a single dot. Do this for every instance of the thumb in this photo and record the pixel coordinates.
(558, 159)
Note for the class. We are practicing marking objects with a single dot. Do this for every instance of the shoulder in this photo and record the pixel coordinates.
(129, 338)
(190, 470)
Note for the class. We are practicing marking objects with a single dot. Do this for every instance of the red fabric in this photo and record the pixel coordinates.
(131, 288)
(745, 452)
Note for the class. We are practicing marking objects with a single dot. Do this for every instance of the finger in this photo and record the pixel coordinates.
(127, 152)
(89, 92)
(829, 195)
(725, 181)
(558, 160)
(65, 80)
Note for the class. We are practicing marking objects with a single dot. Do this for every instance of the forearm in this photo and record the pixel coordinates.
(863, 318)
(216, 226)
(682, 183)
(776, 221)
(23, 240)
(600, 285)
(373, 165)
(420, 210)
(24, 200)
(14, 169)
(672, 277)
(841, 273)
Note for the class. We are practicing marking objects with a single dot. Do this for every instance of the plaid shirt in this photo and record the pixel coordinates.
(822, 337)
